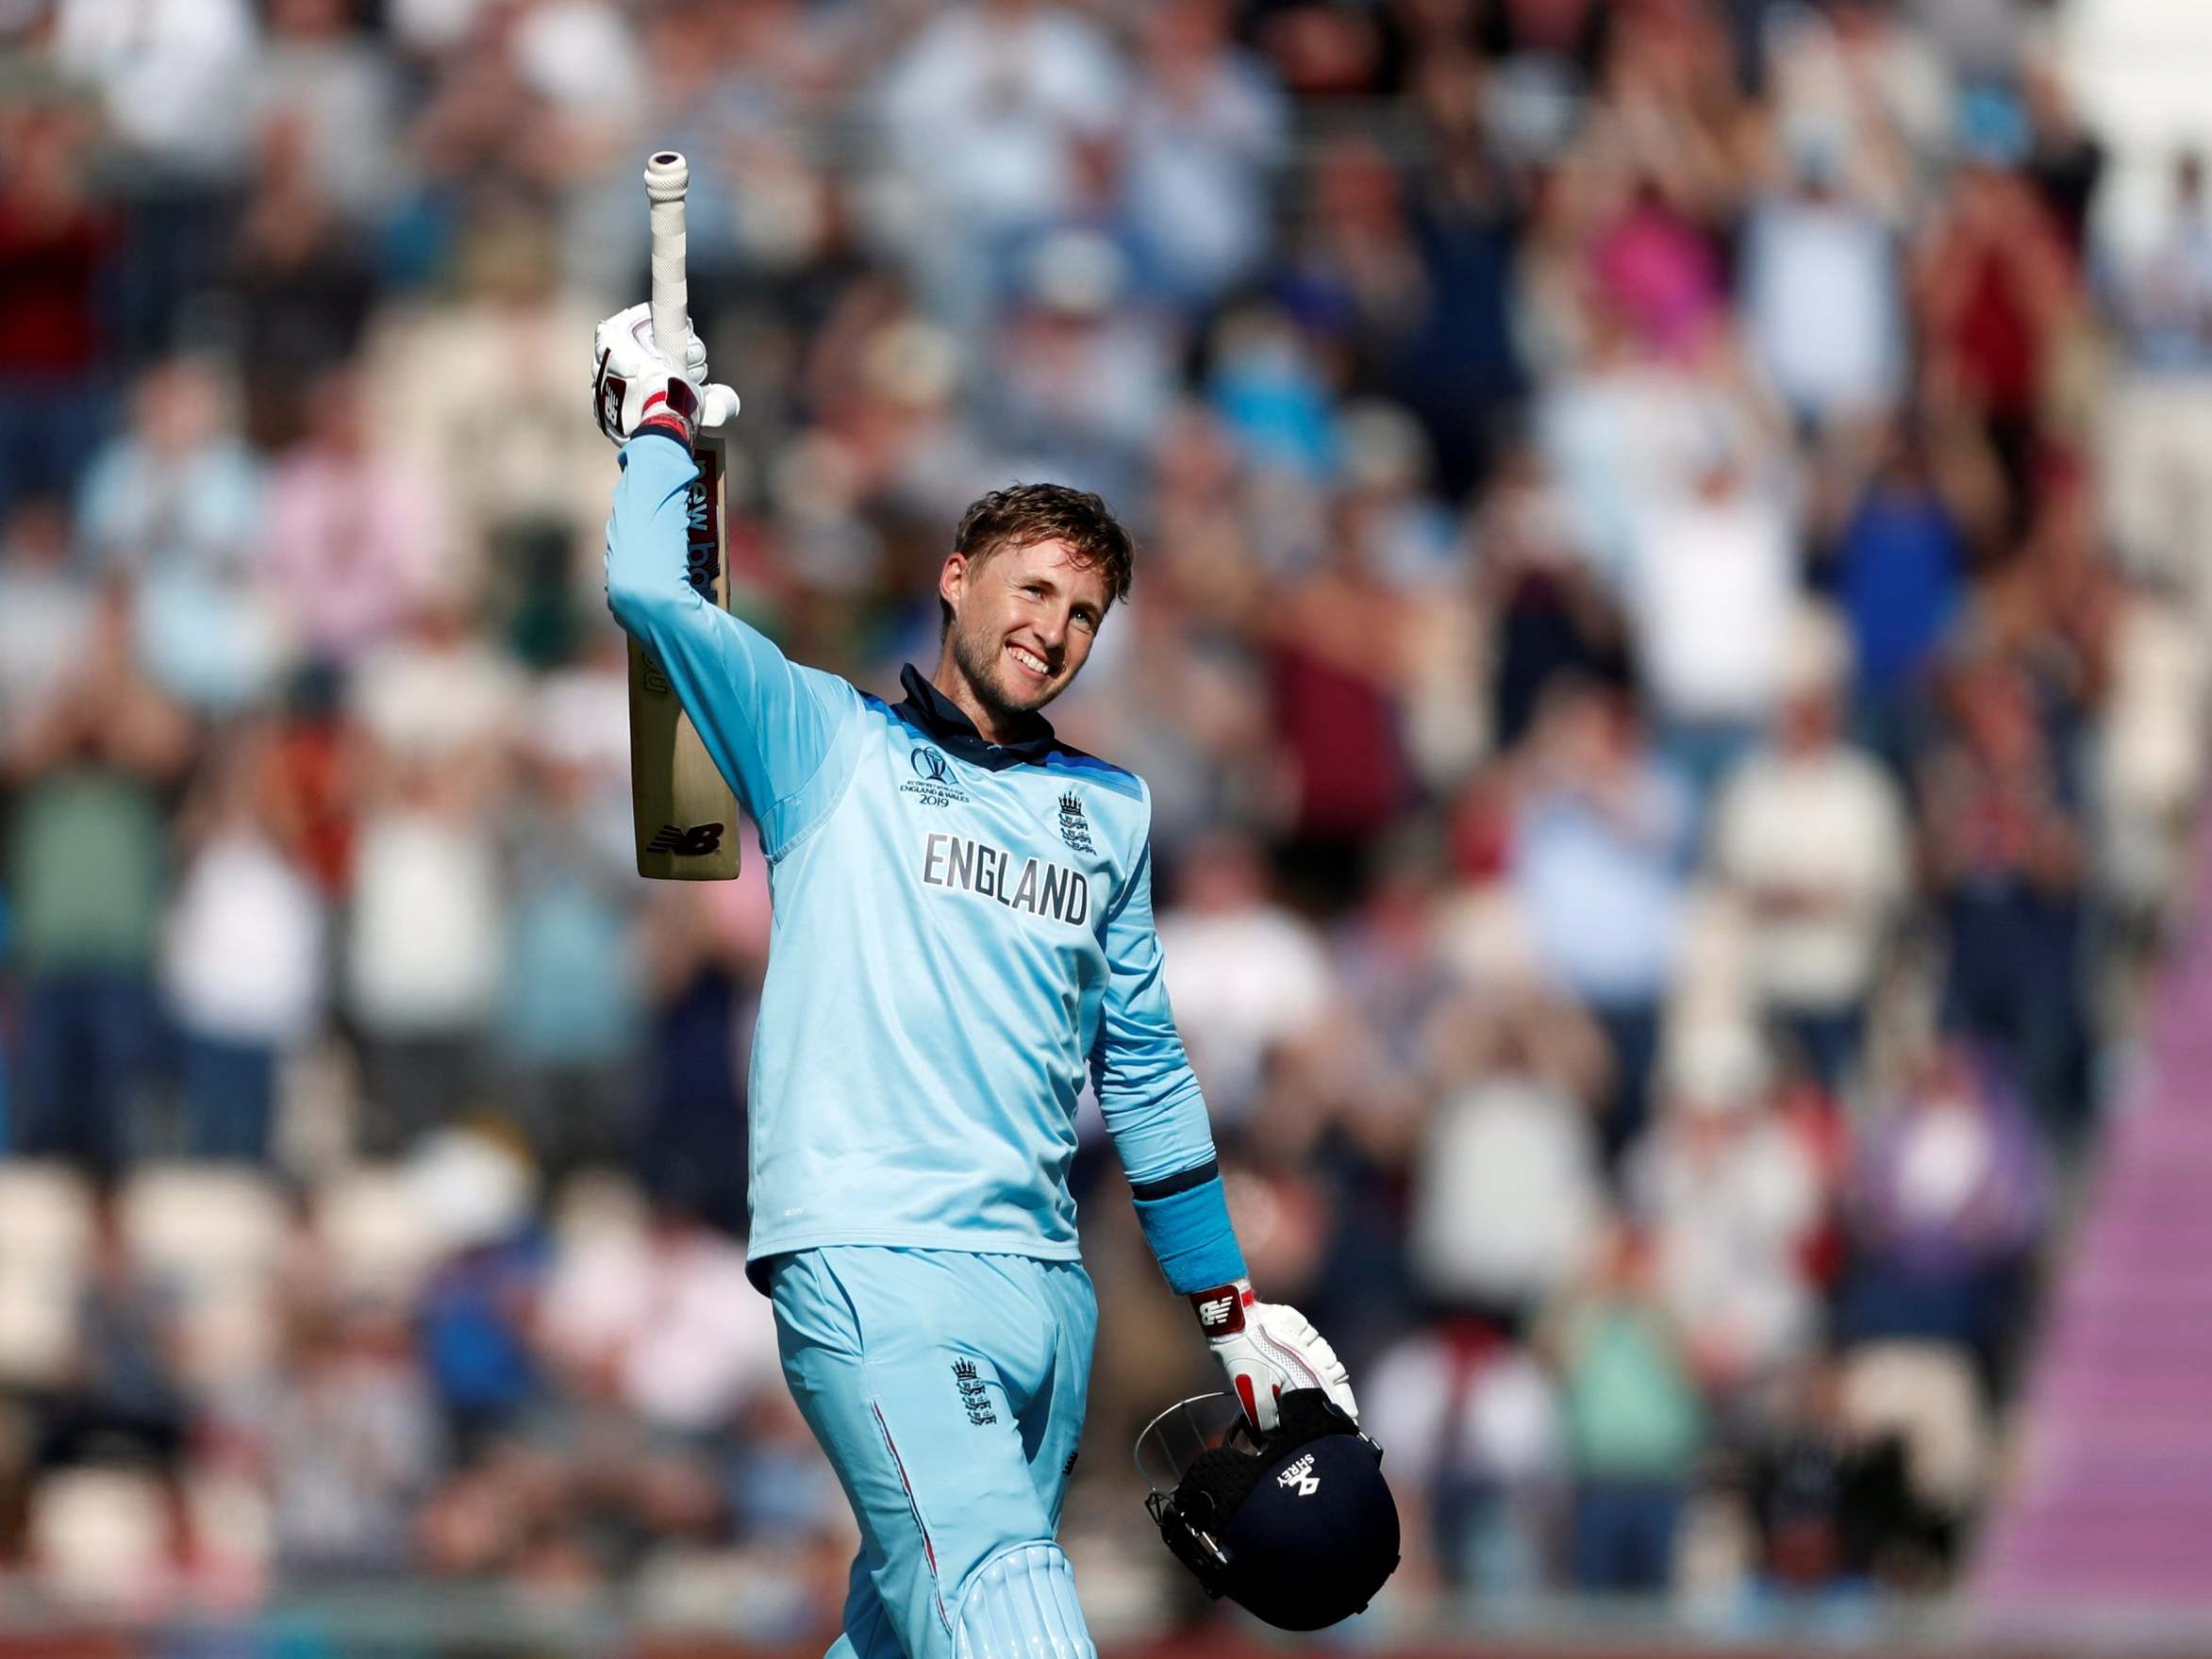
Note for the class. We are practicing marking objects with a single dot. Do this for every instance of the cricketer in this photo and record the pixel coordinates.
(962, 933)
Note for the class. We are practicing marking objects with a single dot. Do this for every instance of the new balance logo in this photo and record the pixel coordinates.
(1300, 1475)
(1216, 1310)
(695, 843)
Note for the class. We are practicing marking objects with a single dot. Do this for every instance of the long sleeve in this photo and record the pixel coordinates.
(771, 725)
(1153, 1105)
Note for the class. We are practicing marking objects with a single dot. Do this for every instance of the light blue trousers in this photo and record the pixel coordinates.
(947, 1389)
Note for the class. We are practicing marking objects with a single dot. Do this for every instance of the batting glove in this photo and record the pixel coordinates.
(1268, 1348)
(636, 389)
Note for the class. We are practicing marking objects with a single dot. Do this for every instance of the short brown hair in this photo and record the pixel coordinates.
(1022, 515)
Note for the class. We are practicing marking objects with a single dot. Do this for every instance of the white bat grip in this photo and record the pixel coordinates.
(667, 177)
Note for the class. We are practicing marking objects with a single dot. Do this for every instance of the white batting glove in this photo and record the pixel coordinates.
(1268, 1348)
(635, 387)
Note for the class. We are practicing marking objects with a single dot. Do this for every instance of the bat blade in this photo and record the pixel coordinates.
(684, 814)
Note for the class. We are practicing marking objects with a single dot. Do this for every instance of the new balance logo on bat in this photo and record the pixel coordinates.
(703, 542)
(1300, 1475)
(695, 843)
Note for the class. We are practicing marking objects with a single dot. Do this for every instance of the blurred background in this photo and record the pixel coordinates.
(1669, 647)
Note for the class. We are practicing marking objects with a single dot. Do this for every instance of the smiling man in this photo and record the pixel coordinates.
(963, 937)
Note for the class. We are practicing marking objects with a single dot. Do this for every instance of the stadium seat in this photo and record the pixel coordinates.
(1925, 1391)
(380, 1246)
(45, 1216)
(199, 1223)
(39, 1313)
(98, 1537)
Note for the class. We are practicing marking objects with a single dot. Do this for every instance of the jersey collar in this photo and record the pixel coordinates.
(927, 707)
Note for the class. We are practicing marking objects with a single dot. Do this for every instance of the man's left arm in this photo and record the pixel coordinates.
(1157, 1114)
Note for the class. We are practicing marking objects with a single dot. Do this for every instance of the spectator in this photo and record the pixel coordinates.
(474, 1314)
(55, 242)
(168, 73)
(572, 1008)
(1599, 849)
(1205, 130)
(662, 1322)
(2006, 846)
(423, 954)
(1994, 286)
(1898, 571)
(1708, 596)
(1823, 297)
(1655, 268)
(46, 613)
(1342, 663)
(307, 284)
(704, 963)
(986, 110)
(1505, 1185)
(350, 545)
(472, 397)
(176, 503)
(1863, 84)
(87, 861)
(2159, 498)
(318, 69)
(1812, 839)
(2066, 159)
(243, 970)
(1246, 975)
(351, 1445)
(1471, 1422)
(1632, 1419)
(2151, 767)
(1732, 1201)
(1550, 617)
(1942, 1206)
(1089, 376)
(1833, 1506)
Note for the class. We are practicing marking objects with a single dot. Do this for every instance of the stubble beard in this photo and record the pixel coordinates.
(980, 666)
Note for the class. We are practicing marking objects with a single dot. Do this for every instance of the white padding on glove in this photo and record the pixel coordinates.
(630, 376)
(1268, 1348)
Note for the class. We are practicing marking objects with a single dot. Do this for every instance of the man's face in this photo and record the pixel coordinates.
(1023, 620)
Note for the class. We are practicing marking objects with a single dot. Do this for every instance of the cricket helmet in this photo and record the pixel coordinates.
(1296, 1526)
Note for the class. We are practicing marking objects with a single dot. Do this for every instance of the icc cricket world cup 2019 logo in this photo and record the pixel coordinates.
(933, 784)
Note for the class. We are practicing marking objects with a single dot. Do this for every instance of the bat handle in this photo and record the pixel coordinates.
(668, 175)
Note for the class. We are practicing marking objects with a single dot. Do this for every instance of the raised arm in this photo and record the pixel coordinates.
(771, 725)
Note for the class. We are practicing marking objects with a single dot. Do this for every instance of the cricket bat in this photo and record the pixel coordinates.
(686, 815)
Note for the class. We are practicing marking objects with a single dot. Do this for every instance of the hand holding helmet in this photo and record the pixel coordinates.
(1295, 1524)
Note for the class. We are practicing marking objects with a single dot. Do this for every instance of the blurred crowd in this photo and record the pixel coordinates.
(1667, 646)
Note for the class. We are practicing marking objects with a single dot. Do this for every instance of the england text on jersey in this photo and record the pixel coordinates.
(1039, 887)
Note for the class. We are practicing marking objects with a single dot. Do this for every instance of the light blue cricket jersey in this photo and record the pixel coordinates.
(962, 932)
